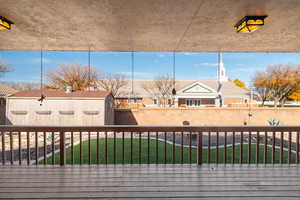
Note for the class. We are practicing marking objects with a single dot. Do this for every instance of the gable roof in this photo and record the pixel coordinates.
(226, 89)
(61, 94)
(6, 90)
(192, 88)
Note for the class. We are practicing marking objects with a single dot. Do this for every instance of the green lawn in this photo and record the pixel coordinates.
(144, 154)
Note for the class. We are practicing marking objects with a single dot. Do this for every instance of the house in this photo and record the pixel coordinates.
(4, 92)
(189, 93)
(68, 108)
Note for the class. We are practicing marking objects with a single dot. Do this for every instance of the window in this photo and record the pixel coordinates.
(67, 112)
(132, 100)
(169, 101)
(190, 102)
(245, 101)
(44, 112)
(155, 101)
(197, 102)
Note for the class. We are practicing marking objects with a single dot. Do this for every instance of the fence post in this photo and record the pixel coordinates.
(62, 148)
(199, 148)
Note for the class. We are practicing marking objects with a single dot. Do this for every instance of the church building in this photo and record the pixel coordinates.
(189, 93)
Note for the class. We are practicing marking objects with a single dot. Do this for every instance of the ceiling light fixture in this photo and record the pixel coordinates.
(249, 24)
(5, 24)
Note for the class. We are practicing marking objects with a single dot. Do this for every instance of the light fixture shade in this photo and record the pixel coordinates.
(250, 24)
(5, 24)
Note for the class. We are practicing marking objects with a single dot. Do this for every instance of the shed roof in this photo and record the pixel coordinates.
(61, 93)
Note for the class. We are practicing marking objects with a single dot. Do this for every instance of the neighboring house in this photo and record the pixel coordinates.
(78, 108)
(190, 93)
(4, 92)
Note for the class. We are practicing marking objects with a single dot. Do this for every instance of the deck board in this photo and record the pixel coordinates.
(151, 181)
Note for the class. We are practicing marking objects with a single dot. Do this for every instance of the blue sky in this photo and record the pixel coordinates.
(26, 64)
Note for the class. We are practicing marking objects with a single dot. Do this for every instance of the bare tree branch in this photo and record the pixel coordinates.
(161, 86)
(4, 67)
(73, 74)
(112, 83)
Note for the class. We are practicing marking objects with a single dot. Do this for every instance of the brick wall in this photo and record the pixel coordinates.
(207, 116)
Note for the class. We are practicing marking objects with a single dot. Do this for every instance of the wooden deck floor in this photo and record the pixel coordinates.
(151, 181)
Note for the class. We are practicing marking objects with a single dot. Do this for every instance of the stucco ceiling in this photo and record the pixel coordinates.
(149, 25)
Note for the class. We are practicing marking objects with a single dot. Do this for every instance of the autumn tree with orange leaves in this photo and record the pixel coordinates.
(277, 83)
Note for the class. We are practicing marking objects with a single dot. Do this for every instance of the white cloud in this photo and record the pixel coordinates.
(161, 55)
(206, 64)
(245, 69)
(38, 60)
(138, 74)
(187, 54)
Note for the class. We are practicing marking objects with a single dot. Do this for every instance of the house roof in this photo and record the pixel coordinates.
(226, 89)
(6, 90)
(61, 93)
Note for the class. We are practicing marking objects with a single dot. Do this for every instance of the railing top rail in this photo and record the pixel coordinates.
(134, 128)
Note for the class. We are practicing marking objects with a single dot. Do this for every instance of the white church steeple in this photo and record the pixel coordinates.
(221, 73)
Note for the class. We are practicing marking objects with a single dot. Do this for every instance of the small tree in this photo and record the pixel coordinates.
(239, 83)
(73, 74)
(161, 86)
(112, 83)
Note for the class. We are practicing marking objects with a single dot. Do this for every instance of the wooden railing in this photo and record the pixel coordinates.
(148, 144)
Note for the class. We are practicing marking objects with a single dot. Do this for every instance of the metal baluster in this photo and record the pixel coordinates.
(131, 148)
(281, 148)
(98, 149)
(45, 147)
(174, 148)
(53, 148)
(165, 147)
(257, 147)
(140, 147)
(28, 148)
(123, 148)
(208, 146)
(80, 147)
(115, 146)
(290, 148)
(297, 147)
(190, 147)
(156, 147)
(3, 148)
(217, 148)
(249, 147)
(148, 146)
(72, 148)
(11, 148)
(181, 147)
(242, 147)
(106, 152)
(266, 148)
(233, 147)
(36, 148)
(20, 148)
(225, 147)
(89, 148)
(273, 147)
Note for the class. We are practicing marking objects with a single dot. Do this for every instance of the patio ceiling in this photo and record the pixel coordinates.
(149, 25)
